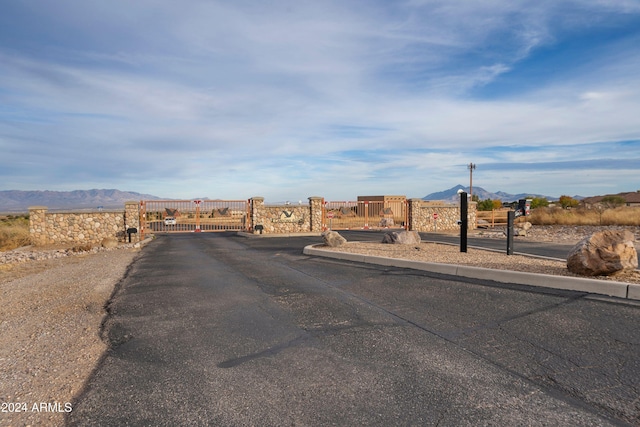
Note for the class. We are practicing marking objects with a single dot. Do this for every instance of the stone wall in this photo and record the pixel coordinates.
(82, 227)
(92, 227)
(421, 216)
(286, 219)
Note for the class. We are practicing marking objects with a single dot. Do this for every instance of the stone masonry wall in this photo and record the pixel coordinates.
(81, 227)
(421, 216)
(92, 227)
(285, 219)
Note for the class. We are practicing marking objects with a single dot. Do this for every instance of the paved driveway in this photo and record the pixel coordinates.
(214, 329)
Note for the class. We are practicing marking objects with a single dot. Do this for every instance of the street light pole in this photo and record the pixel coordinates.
(471, 167)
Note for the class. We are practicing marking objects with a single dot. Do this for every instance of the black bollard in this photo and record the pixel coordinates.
(510, 217)
(464, 221)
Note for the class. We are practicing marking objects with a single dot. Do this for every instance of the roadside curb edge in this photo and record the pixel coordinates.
(592, 286)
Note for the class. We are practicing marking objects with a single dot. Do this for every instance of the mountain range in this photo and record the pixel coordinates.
(19, 201)
(451, 195)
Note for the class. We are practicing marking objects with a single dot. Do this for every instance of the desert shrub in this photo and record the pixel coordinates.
(568, 202)
(558, 216)
(14, 232)
(621, 216)
(539, 202)
(612, 201)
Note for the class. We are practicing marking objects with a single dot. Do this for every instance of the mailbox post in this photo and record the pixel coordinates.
(130, 231)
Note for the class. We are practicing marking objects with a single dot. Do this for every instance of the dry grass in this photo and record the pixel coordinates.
(628, 216)
(14, 232)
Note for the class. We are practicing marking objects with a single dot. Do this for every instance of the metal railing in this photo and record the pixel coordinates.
(172, 216)
(364, 215)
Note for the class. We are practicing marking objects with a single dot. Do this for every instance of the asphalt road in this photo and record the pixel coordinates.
(215, 329)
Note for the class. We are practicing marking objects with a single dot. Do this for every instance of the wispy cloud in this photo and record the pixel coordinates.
(292, 99)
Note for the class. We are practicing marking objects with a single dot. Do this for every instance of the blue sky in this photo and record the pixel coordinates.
(291, 99)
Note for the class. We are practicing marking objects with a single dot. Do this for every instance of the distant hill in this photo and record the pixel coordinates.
(451, 195)
(19, 201)
(631, 198)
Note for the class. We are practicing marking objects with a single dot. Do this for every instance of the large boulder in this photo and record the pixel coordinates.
(604, 253)
(333, 239)
(521, 229)
(402, 238)
(523, 226)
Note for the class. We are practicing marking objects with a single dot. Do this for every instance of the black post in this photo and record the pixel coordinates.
(464, 212)
(511, 215)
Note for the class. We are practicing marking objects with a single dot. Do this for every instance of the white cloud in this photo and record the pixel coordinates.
(189, 96)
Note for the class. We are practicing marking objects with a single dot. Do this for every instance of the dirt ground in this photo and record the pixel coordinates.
(50, 317)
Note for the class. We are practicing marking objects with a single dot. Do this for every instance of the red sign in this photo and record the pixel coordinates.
(329, 215)
(435, 215)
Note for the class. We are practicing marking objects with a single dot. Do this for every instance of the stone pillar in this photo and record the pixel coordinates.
(473, 215)
(414, 213)
(257, 213)
(38, 225)
(315, 208)
(132, 220)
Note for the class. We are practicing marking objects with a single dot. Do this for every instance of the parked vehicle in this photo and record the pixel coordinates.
(170, 221)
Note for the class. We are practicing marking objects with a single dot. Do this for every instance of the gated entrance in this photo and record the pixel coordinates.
(365, 215)
(173, 216)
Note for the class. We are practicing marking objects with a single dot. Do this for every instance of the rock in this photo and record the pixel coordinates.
(402, 238)
(109, 242)
(604, 253)
(333, 239)
(521, 229)
(386, 222)
(525, 226)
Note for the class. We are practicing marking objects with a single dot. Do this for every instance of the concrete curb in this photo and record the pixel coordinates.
(592, 286)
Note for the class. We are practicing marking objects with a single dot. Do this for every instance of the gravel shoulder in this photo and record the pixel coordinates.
(50, 319)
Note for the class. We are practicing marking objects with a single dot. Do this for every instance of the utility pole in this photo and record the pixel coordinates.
(471, 167)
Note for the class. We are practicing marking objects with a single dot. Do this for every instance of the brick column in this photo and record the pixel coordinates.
(315, 207)
(38, 225)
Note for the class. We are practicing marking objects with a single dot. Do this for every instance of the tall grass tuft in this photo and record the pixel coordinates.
(626, 216)
(14, 232)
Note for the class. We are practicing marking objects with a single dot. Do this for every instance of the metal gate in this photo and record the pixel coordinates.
(175, 216)
(365, 215)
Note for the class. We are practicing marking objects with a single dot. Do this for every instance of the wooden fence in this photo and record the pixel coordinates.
(495, 218)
